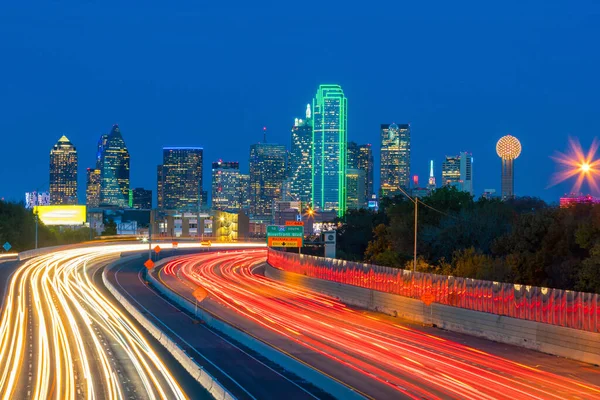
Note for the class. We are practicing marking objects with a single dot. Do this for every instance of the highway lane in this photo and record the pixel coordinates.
(63, 338)
(241, 371)
(407, 362)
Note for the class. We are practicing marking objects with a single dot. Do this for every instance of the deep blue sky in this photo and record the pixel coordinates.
(462, 73)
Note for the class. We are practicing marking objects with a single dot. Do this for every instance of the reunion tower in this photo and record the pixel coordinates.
(508, 149)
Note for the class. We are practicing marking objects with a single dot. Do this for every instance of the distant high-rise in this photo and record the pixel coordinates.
(355, 186)
(226, 185)
(92, 191)
(508, 149)
(457, 171)
(159, 187)
(431, 185)
(361, 157)
(395, 158)
(141, 199)
(114, 170)
(181, 183)
(300, 178)
(244, 192)
(63, 172)
(329, 125)
(267, 173)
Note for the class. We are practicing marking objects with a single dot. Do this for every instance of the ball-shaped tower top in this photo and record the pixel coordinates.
(508, 147)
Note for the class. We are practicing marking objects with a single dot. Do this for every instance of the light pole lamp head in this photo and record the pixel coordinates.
(508, 147)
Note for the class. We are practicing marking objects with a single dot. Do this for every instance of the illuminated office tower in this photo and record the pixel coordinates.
(63, 172)
(180, 179)
(329, 123)
(395, 158)
(159, 188)
(267, 173)
(508, 149)
(114, 170)
(300, 178)
(431, 185)
(361, 157)
(244, 192)
(226, 185)
(141, 199)
(92, 191)
(355, 188)
(457, 171)
(451, 171)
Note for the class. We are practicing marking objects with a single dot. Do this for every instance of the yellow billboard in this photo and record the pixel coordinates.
(61, 215)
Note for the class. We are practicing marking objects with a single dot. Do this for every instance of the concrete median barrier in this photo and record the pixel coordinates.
(196, 371)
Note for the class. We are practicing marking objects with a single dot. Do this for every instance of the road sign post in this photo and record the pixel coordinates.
(7, 246)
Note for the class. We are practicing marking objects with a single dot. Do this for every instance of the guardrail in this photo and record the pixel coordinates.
(577, 310)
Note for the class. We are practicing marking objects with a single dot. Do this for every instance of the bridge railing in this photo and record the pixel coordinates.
(577, 310)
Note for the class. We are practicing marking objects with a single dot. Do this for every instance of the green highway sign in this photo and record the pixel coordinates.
(285, 231)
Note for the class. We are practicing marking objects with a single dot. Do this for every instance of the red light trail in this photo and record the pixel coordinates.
(416, 364)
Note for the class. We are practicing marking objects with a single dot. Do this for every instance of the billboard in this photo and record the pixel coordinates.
(61, 215)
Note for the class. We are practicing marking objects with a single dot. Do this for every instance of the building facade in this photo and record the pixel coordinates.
(114, 170)
(300, 177)
(361, 157)
(63, 172)
(267, 173)
(457, 171)
(329, 126)
(141, 199)
(395, 158)
(179, 179)
(244, 192)
(226, 185)
(355, 189)
(92, 189)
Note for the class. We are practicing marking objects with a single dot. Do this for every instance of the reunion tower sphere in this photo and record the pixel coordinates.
(508, 148)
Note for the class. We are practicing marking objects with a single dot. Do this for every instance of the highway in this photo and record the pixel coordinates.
(62, 337)
(374, 354)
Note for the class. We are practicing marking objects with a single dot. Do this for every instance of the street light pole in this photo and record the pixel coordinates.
(416, 202)
(36, 230)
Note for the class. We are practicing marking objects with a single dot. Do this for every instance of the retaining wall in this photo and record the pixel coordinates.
(196, 371)
(565, 342)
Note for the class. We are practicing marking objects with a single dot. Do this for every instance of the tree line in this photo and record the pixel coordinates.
(522, 240)
(17, 227)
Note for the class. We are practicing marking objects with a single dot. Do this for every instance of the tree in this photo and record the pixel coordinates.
(110, 228)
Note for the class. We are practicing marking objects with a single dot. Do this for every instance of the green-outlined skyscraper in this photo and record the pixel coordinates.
(329, 123)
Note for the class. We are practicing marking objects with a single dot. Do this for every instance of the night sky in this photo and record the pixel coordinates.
(205, 74)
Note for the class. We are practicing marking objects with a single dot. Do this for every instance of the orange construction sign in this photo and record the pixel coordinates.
(285, 242)
(294, 223)
(149, 264)
(427, 298)
(174, 245)
(157, 249)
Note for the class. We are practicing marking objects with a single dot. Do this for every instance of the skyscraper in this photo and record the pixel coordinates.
(92, 192)
(159, 187)
(181, 173)
(508, 149)
(267, 173)
(244, 192)
(63, 172)
(355, 186)
(141, 199)
(451, 171)
(226, 185)
(395, 158)
(114, 170)
(329, 125)
(301, 159)
(431, 185)
(361, 157)
(457, 171)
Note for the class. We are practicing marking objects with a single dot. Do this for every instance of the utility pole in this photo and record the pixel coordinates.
(150, 242)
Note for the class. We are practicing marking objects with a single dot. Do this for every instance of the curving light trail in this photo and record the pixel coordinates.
(62, 338)
(416, 364)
